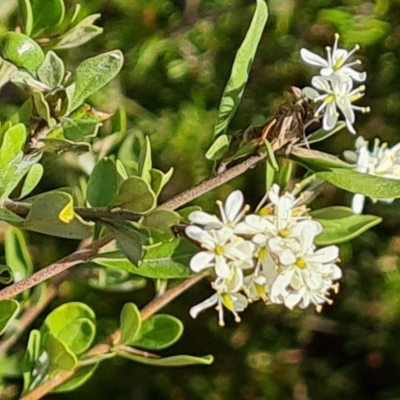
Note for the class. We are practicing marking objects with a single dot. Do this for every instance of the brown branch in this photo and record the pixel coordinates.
(105, 347)
(78, 257)
(91, 214)
(212, 183)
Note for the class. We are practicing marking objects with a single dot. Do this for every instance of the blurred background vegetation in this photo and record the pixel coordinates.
(178, 59)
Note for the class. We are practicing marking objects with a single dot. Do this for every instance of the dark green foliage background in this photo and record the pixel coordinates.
(178, 59)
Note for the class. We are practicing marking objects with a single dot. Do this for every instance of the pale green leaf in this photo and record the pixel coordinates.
(8, 310)
(94, 73)
(130, 323)
(240, 70)
(356, 182)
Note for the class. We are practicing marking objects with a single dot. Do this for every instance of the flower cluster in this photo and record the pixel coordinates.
(269, 255)
(334, 86)
(381, 161)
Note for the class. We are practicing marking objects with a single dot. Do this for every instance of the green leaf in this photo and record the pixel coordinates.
(60, 146)
(103, 184)
(13, 164)
(80, 33)
(322, 134)
(94, 73)
(52, 213)
(240, 70)
(61, 358)
(74, 324)
(46, 14)
(218, 148)
(13, 143)
(11, 218)
(81, 123)
(130, 323)
(8, 310)
(21, 50)
(159, 180)
(5, 275)
(42, 107)
(174, 361)
(52, 71)
(316, 160)
(25, 10)
(32, 179)
(165, 261)
(25, 81)
(161, 220)
(334, 212)
(17, 254)
(114, 280)
(130, 238)
(356, 182)
(33, 361)
(80, 377)
(135, 195)
(145, 164)
(159, 332)
(121, 169)
(341, 225)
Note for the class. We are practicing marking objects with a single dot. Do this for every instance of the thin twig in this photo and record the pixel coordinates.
(91, 214)
(212, 183)
(78, 257)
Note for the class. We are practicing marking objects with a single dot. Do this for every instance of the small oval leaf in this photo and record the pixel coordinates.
(174, 361)
(356, 182)
(21, 50)
(135, 195)
(74, 324)
(342, 229)
(94, 73)
(8, 310)
(103, 184)
(159, 332)
(130, 323)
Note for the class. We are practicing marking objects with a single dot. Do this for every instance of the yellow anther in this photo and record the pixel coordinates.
(300, 263)
(283, 233)
(219, 251)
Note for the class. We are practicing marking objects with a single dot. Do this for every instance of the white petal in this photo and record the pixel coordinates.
(194, 232)
(233, 205)
(203, 218)
(312, 58)
(195, 310)
(336, 272)
(310, 93)
(222, 268)
(325, 255)
(321, 83)
(201, 261)
(357, 76)
(287, 257)
(330, 117)
(292, 300)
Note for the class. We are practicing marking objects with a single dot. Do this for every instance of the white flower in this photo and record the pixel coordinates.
(220, 248)
(227, 295)
(381, 161)
(338, 94)
(306, 275)
(336, 62)
(231, 213)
